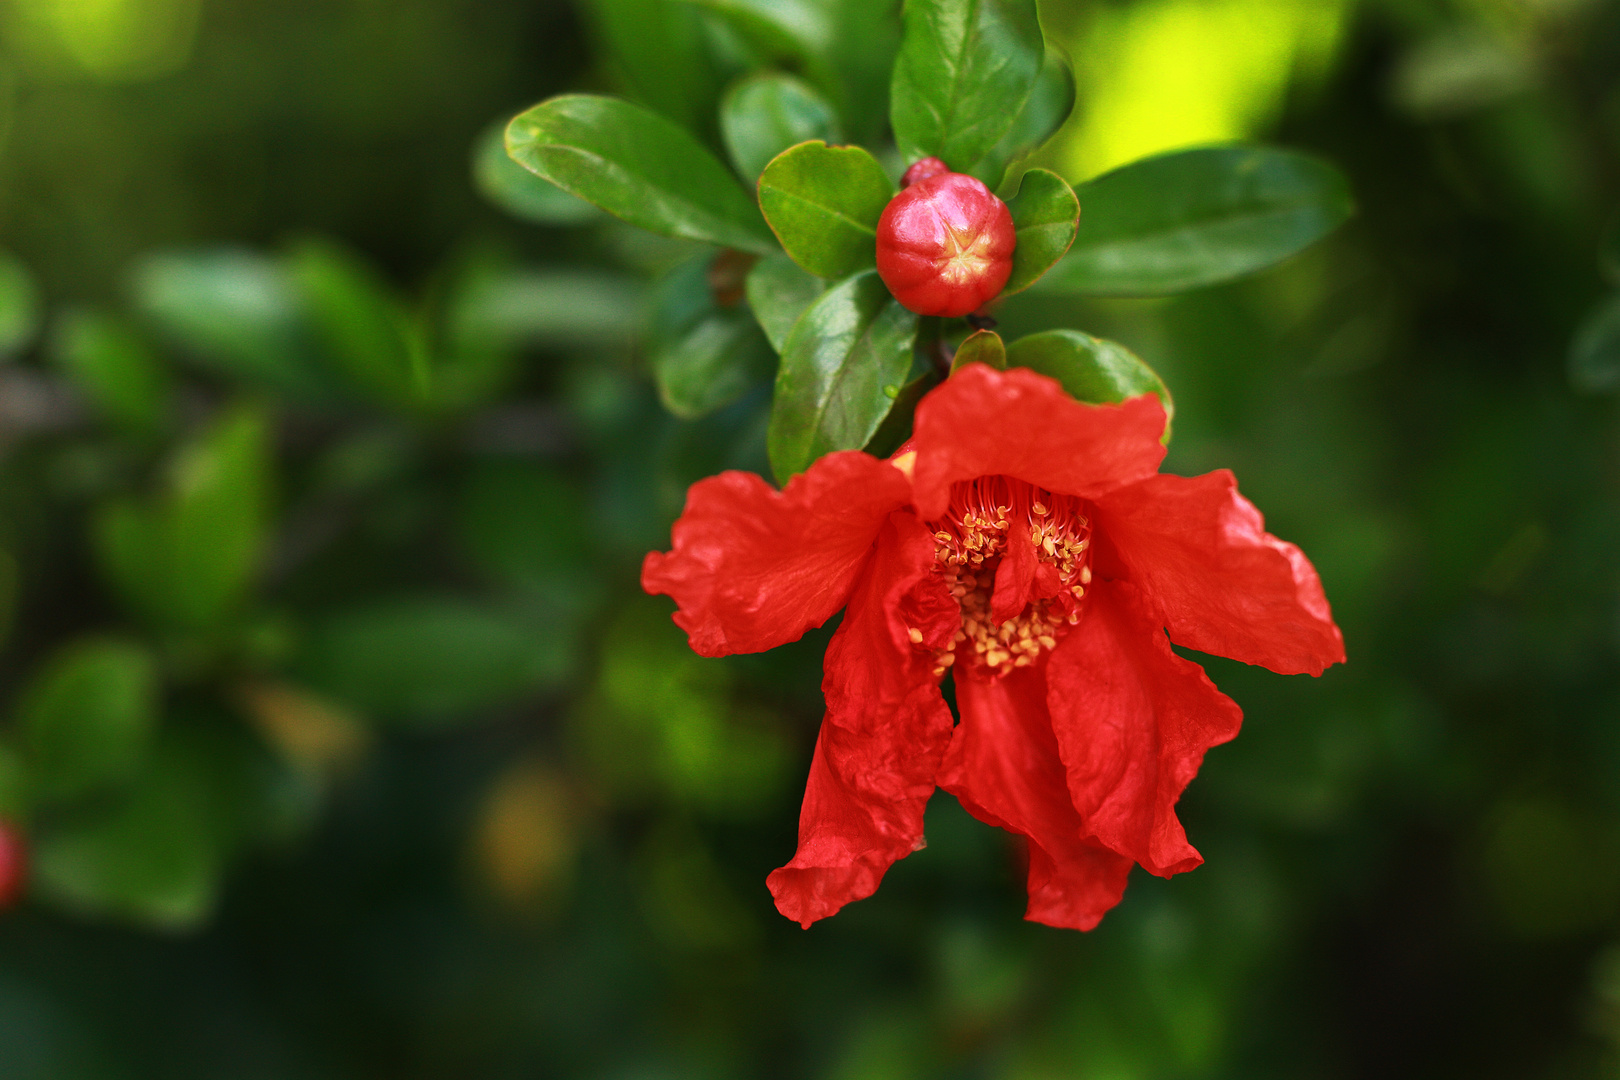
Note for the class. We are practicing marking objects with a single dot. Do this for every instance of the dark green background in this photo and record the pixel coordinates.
(1413, 862)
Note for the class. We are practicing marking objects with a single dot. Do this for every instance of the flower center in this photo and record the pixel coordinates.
(974, 542)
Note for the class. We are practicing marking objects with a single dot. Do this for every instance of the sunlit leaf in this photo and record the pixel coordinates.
(779, 292)
(766, 113)
(850, 345)
(1183, 220)
(1045, 214)
(964, 71)
(638, 166)
(520, 192)
(1091, 369)
(823, 203)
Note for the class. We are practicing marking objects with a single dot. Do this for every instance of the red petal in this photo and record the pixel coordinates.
(881, 742)
(1132, 721)
(983, 422)
(1222, 584)
(753, 568)
(1003, 765)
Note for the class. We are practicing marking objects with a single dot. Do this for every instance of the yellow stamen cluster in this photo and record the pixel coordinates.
(970, 542)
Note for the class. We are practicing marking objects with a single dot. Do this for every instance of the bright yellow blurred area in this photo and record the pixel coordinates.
(1167, 74)
(108, 40)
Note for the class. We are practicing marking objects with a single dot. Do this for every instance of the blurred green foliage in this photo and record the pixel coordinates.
(329, 447)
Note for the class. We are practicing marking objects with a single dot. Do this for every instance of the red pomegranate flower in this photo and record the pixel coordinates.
(1025, 543)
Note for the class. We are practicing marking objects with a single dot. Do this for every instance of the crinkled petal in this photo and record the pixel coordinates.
(1133, 721)
(1003, 765)
(882, 739)
(753, 568)
(983, 422)
(1222, 584)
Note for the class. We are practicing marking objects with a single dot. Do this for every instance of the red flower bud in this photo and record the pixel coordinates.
(13, 864)
(945, 243)
(922, 170)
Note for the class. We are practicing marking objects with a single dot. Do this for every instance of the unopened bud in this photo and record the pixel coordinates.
(945, 243)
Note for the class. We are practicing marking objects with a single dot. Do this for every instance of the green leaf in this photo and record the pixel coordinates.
(1594, 355)
(520, 192)
(779, 292)
(896, 427)
(527, 526)
(964, 71)
(237, 313)
(87, 717)
(150, 858)
(116, 369)
(657, 51)
(703, 355)
(1045, 213)
(1184, 220)
(851, 344)
(549, 308)
(638, 166)
(16, 798)
(1090, 369)
(766, 113)
(436, 659)
(823, 202)
(20, 306)
(780, 28)
(187, 560)
(981, 347)
(1050, 102)
(364, 330)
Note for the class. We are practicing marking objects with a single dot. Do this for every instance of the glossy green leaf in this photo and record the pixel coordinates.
(638, 166)
(435, 659)
(657, 50)
(965, 69)
(766, 113)
(1051, 100)
(1045, 214)
(779, 292)
(1183, 220)
(87, 716)
(981, 347)
(1090, 369)
(1594, 355)
(187, 559)
(896, 427)
(823, 202)
(704, 355)
(235, 312)
(20, 306)
(852, 344)
(520, 192)
(115, 368)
